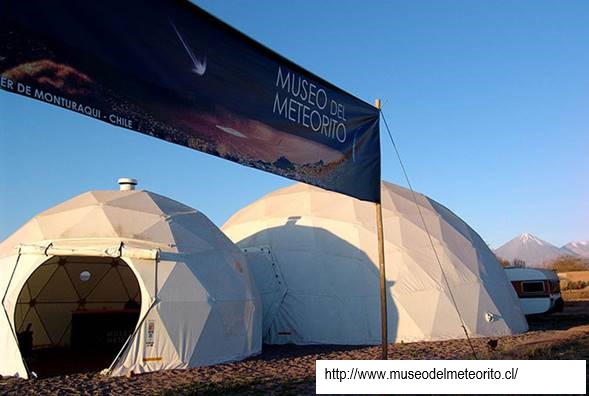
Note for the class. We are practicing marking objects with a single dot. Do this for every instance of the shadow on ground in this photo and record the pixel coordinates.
(575, 313)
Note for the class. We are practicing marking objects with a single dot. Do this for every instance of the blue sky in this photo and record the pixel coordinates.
(488, 100)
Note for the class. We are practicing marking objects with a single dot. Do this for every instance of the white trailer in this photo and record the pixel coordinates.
(538, 289)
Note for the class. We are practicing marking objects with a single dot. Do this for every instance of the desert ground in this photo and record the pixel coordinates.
(291, 369)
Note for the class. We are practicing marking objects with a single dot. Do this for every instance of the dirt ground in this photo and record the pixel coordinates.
(291, 369)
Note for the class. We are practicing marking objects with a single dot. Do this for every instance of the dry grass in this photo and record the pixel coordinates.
(574, 285)
(575, 295)
(574, 276)
(569, 263)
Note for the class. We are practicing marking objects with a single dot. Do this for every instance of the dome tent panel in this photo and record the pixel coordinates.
(55, 320)
(454, 222)
(476, 303)
(83, 200)
(460, 247)
(20, 267)
(94, 273)
(197, 316)
(416, 276)
(490, 273)
(185, 239)
(21, 309)
(198, 225)
(57, 287)
(417, 293)
(439, 320)
(132, 289)
(111, 288)
(32, 320)
(225, 319)
(31, 232)
(159, 232)
(180, 273)
(142, 221)
(172, 207)
(410, 330)
(145, 204)
(35, 284)
(55, 229)
(96, 223)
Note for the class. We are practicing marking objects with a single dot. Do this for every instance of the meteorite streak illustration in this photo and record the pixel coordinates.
(200, 67)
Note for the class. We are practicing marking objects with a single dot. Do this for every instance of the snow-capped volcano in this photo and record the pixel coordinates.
(580, 248)
(533, 250)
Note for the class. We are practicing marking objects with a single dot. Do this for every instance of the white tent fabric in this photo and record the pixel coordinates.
(314, 256)
(199, 305)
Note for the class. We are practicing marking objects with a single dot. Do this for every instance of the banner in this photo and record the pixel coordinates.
(170, 70)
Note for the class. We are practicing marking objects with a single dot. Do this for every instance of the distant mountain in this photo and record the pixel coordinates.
(531, 249)
(580, 248)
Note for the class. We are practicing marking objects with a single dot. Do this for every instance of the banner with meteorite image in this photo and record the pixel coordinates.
(170, 70)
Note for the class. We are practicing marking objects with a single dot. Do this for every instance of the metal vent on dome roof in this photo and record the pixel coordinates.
(127, 183)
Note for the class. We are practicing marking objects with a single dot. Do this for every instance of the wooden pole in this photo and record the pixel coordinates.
(383, 280)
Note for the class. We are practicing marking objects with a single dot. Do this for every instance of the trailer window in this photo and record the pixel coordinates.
(533, 287)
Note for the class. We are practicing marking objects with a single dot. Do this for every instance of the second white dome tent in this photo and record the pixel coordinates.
(313, 255)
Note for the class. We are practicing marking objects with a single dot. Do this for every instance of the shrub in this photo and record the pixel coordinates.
(569, 264)
(578, 285)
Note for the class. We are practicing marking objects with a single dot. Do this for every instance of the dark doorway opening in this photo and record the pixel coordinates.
(75, 313)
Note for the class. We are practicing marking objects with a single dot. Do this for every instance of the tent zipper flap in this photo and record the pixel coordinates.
(12, 329)
(140, 323)
(129, 340)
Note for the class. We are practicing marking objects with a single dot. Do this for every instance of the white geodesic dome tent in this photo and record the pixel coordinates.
(313, 254)
(107, 252)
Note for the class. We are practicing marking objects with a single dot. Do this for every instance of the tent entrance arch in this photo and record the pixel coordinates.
(80, 307)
